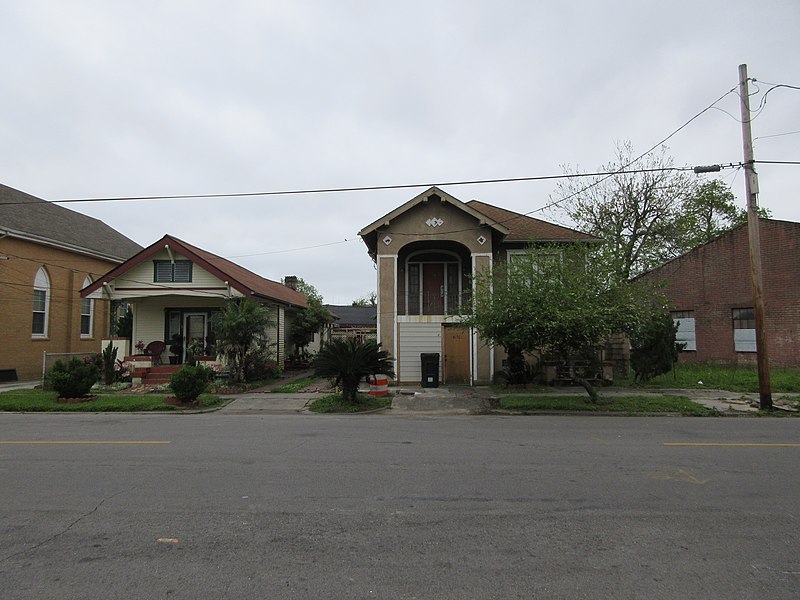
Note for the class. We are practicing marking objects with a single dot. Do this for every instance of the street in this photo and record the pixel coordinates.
(308, 506)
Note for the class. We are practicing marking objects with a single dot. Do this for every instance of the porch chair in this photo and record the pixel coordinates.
(155, 349)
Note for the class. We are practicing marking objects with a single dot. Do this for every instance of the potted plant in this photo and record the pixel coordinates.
(176, 348)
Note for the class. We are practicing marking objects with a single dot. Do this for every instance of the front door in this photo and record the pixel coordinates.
(432, 288)
(456, 354)
(195, 330)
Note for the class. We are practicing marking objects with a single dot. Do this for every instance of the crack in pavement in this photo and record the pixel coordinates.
(63, 531)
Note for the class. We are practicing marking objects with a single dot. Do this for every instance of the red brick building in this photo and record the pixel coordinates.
(711, 296)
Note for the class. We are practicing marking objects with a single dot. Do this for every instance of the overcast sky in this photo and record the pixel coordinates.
(112, 98)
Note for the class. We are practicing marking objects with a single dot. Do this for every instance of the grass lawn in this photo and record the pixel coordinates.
(44, 401)
(334, 403)
(734, 379)
(295, 386)
(623, 404)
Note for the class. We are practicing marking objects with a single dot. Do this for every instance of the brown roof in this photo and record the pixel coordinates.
(239, 278)
(31, 218)
(524, 229)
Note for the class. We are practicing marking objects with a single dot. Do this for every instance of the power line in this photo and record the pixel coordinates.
(356, 188)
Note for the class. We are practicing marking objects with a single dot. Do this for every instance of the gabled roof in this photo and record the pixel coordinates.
(511, 226)
(244, 281)
(369, 233)
(522, 228)
(354, 316)
(30, 218)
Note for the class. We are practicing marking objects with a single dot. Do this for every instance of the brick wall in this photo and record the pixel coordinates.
(715, 278)
(67, 271)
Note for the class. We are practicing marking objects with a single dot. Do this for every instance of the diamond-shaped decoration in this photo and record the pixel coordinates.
(387, 240)
(481, 240)
(434, 222)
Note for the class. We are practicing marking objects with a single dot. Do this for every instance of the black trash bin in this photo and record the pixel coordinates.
(430, 369)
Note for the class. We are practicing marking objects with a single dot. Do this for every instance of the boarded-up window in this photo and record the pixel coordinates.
(685, 334)
(744, 329)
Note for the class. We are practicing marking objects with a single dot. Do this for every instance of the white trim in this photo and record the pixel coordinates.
(89, 335)
(61, 245)
(484, 254)
(41, 282)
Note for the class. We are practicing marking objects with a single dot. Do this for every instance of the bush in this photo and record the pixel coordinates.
(258, 367)
(74, 379)
(190, 382)
(654, 350)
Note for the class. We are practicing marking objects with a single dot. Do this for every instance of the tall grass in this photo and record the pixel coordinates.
(711, 376)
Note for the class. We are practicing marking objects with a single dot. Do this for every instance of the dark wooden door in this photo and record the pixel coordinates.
(432, 289)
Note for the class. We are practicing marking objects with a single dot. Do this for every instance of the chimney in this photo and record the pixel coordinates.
(290, 281)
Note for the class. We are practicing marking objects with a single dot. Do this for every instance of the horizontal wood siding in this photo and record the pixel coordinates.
(414, 339)
(142, 276)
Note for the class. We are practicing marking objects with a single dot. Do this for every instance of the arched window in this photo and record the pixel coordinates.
(41, 303)
(87, 313)
(433, 283)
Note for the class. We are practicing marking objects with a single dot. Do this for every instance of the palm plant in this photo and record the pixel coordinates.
(240, 327)
(348, 361)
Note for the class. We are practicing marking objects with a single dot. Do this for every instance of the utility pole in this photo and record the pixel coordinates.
(751, 190)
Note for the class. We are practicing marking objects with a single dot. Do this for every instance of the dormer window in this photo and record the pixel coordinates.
(167, 271)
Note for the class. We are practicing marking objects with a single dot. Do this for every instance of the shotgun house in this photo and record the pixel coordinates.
(426, 253)
(174, 289)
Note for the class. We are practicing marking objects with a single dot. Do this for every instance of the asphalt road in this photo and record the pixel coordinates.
(307, 506)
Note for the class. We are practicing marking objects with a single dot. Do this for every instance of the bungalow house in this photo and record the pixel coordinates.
(359, 322)
(426, 252)
(711, 296)
(175, 288)
(47, 254)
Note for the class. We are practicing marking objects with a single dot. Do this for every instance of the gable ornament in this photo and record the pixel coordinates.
(434, 222)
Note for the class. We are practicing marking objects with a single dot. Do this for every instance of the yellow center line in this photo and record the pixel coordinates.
(729, 444)
(88, 442)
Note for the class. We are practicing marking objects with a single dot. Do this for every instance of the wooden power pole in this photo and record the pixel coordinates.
(751, 190)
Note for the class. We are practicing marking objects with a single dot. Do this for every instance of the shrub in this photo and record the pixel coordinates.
(73, 379)
(190, 382)
(348, 361)
(110, 364)
(259, 366)
(654, 350)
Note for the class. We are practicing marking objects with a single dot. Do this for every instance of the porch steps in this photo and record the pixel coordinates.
(160, 374)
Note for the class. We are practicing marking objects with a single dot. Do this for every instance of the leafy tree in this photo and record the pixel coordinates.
(557, 307)
(706, 214)
(370, 299)
(240, 327)
(654, 350)
(647, 217)
(311, 320)
(348, 361)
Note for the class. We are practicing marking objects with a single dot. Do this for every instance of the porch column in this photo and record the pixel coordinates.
(387, 306)
(482, 352)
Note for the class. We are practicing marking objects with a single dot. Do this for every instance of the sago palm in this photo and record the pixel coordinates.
(347, 362)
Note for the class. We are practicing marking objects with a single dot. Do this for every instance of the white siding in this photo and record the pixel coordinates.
(685, 333)
(414, 339)
(149, 315)
(142, 275)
